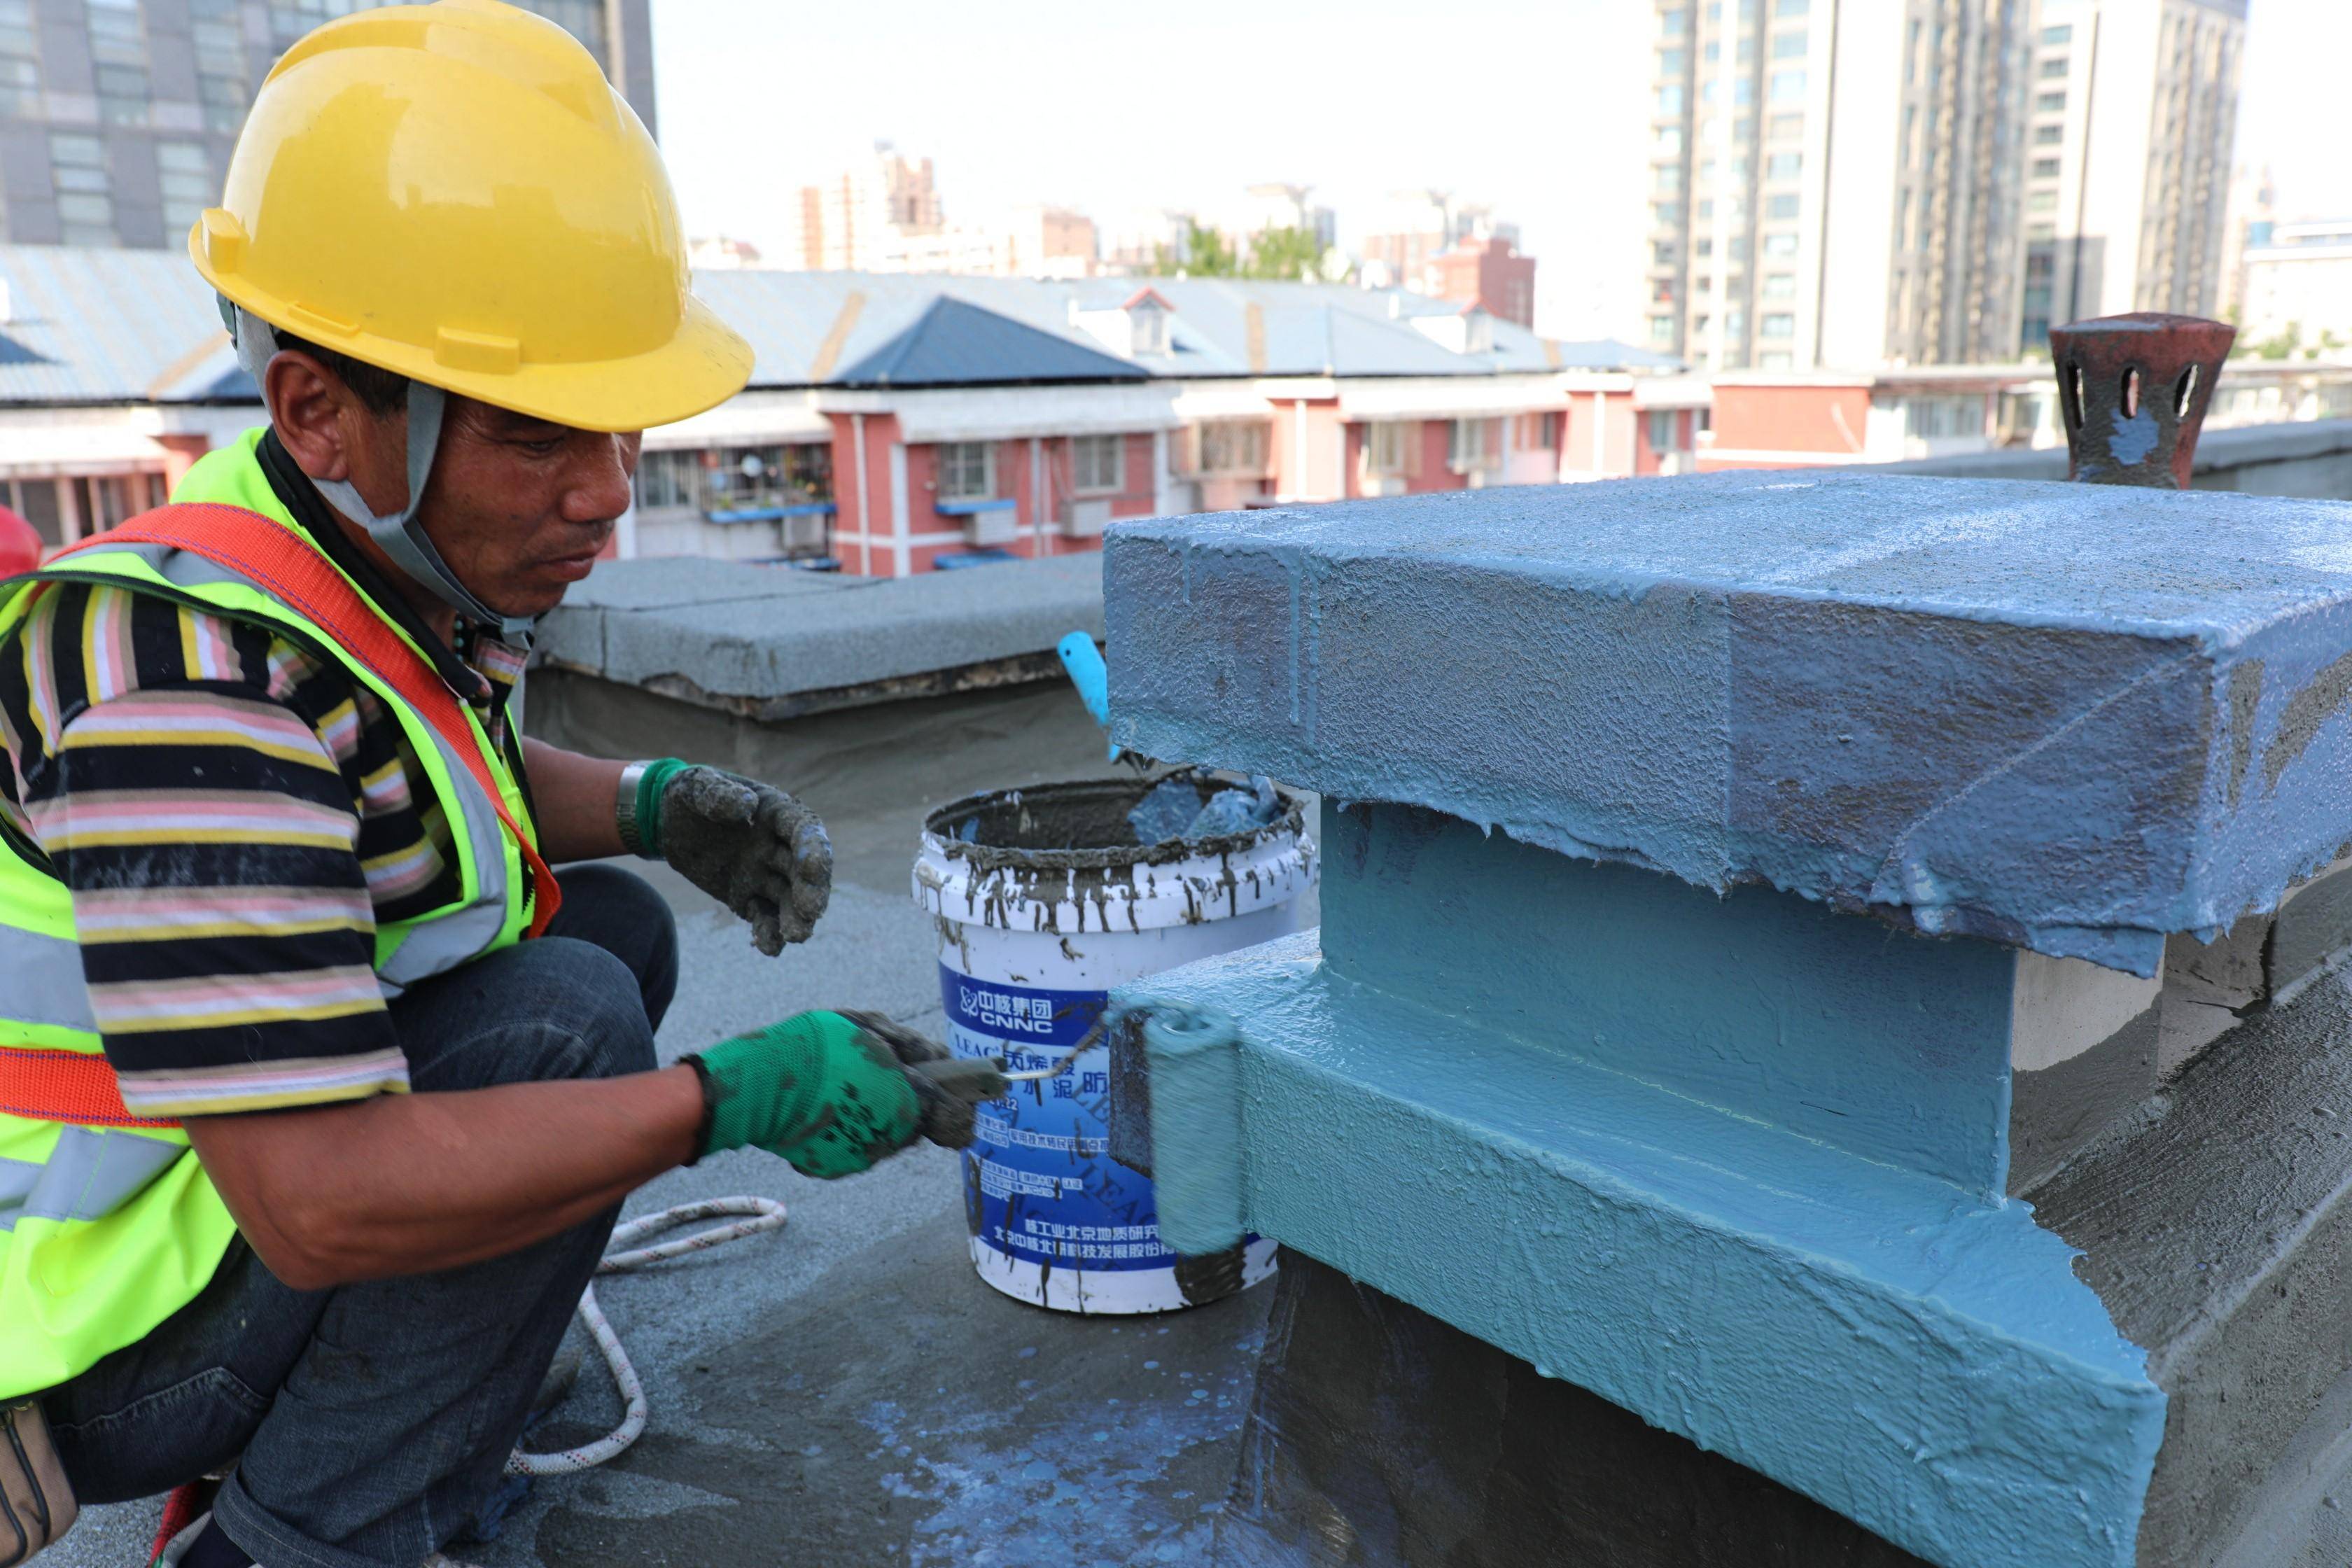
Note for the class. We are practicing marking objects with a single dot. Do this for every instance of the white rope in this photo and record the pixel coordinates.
(766, 1214)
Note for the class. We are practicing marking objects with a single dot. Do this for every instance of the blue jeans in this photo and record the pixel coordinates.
(374, 1419)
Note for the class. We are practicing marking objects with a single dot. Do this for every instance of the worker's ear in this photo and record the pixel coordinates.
(312, 412)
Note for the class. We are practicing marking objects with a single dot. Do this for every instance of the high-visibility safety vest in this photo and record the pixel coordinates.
(107, 1222)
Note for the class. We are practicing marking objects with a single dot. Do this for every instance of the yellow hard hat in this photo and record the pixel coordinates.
(454, 193)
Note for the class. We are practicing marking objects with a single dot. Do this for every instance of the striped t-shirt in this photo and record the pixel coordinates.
(233, 816)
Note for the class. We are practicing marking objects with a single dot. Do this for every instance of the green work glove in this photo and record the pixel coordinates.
(834, 1092)
(749, 844)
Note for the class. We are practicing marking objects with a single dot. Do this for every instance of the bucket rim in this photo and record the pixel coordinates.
(985, 858)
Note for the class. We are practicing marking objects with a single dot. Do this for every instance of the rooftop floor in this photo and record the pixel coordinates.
(848, 1393)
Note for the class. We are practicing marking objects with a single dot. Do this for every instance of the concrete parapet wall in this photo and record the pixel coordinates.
(2312, 460)
(766, 642)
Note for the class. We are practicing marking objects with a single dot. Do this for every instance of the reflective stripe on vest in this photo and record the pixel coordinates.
(108, 1223)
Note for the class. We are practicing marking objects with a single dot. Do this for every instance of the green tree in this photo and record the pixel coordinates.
(1286, 254)
(1206, 254)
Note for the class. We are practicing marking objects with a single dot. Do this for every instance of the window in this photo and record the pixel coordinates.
(2041, 202)
(1146, 328)
(668, 479)
(118, 52)
(1468, 446)
(1672, 62)
(1674, 23)
(1788, 45)
(1777, 325)
(184, 176)
(1661, 253)
(1779, 245)
(1707, 208)
(2050, 103)
(20, 55)
(1668, 142)
(1781, 286)
(1670, 178)
(2045, 168)
(1662, 329)
(216, 30)
(1939, 418)
(1703, 250)
(1664, 430)
(1097, 463)
(1787, 86)
(1746, 54)
(1782, 206)
(1734, 325)
(1737, 250)
(85, 194)
(2063, 34)
(1743, 92)
(1670, 100)
(1791, 7)
(1391, 443)
(1233, 446)
(1787, 127)
(1781, 361)
(966, 472)
(2048, 135)
(2054, 71)
(1784, 165)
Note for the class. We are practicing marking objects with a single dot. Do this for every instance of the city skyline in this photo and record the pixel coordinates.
(1577, 192)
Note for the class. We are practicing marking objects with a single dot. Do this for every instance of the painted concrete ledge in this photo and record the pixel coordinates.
(2312, 458)
(2074, 718)
(768, 643)
(1726, 1274)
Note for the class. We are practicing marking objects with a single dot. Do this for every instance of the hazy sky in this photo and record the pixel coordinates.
(1538, 108)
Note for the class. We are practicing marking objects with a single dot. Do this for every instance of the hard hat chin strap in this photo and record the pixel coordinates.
(397, 533)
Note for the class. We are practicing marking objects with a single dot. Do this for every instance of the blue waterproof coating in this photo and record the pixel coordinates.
(1040, 1185)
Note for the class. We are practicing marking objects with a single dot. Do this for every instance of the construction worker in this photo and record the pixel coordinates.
(319, 1090)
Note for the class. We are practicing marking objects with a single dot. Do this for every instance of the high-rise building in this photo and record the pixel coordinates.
(2134, 116)
(117, 116)
(865, 214)
(1852, 183)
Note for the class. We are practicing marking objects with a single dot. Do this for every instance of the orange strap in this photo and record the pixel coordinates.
(65, 1086)
(255, 548)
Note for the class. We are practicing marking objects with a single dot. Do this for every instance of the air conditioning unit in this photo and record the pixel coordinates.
(991, 525)
(1085, 519)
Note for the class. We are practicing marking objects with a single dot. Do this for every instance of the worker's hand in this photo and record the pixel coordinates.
(752, 848)
(831, 1092)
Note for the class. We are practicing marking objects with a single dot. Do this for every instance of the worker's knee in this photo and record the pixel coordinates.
(539, 1011)
(619, 911)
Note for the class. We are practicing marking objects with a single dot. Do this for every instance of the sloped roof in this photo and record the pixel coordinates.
(956, 343)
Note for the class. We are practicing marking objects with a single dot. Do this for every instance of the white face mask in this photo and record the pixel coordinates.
(397, 533)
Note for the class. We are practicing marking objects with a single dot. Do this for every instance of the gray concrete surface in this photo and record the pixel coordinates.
(847, 1392)
(723, 630)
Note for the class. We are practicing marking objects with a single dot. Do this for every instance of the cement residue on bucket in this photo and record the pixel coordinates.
(1043, 902)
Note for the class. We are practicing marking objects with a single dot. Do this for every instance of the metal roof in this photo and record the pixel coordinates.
(89, 325)
(957, 343)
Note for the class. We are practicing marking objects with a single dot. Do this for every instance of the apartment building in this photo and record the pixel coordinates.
(117, 116)
(2131, 127)
(1848, 183)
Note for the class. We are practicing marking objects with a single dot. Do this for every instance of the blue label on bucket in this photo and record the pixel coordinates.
(1021, 1014)
(1040, 1185)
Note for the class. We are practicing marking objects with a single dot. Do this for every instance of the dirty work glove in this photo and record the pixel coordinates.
(832, 1092)
(750, 846)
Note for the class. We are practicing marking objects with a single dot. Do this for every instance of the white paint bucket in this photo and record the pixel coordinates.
(1043, 907)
